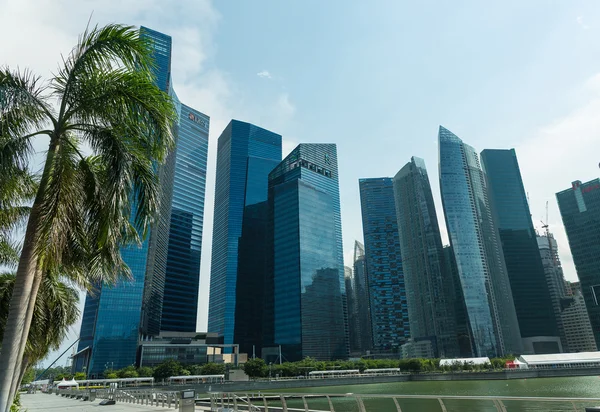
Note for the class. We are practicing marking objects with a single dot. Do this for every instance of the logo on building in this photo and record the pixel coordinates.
(197, 119)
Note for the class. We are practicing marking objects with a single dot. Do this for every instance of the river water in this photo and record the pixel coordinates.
(577, 387)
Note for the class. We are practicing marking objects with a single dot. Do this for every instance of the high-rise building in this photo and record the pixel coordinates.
(180, 302)
(557, 286)
(578, 330)
(455, 294)
(387, 295)
(508, 201)
(245, 156)
(361, 284)
(477, 249)
(352, 308)
(580, 210)
(307, 270)
(430, 306)
(116, 317)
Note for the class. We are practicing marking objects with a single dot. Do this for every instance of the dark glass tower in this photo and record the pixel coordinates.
(430, 306)
(387, 295)
(580, 210)
(307, 271)
(537, 321)
(477, 249)
(180, 302)
(245, 156)
(361, 282)
(117, 317)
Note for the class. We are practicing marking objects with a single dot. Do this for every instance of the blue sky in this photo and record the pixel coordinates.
(376, 78)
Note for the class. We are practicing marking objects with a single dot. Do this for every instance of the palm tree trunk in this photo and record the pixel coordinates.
(17, 314)
(19, 302)
(19, 370)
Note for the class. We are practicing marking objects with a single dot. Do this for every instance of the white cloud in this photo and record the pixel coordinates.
(264, 74)
(557, 154)
(581, 23)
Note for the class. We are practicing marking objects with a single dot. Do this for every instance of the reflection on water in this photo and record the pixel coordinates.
(577, 387)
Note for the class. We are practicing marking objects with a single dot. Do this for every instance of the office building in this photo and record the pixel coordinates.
(578, 329)
(477, 249)
(115, 318)
(245, 155)
(180, 301)
(361, 284)
(306, 281)
(352, 308)
(455, 295)
(387, 295)
(580, 210)
(508, 201)
(430, 306)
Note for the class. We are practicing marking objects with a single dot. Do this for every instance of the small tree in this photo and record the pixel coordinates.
(212, 369)
(167, 369)
(255, 368)
(79, 376)
(128, 372)
(145, 372)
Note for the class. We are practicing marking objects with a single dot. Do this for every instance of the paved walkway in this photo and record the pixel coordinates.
(45, 402)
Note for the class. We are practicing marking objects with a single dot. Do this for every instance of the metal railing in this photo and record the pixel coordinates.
(150, 397)
(288, 402)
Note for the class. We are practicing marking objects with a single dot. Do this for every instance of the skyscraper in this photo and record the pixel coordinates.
(115, 317)
(580, 210)
(180, 302)
(387, 295)
(245, 156)
(307, 278)
(361, 284)
(578, 330)
(508, 201)
(430, 306)
(477, 249)
(352, 308)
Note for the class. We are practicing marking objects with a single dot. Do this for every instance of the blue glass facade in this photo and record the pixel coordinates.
(119, 315)
(430, 306)
(580, 210)
(387, 293)
(306, 284)
(245, 156)
(477, 249)
(508, 200)
(180, 302)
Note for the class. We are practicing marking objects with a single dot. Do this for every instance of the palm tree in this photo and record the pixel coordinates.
(55, 311)
(103, 98)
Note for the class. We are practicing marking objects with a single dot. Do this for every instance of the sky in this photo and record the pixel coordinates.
(376, 78)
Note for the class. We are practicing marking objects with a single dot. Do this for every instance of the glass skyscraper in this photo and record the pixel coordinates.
(361, 284)
(245, 156)
(477, 249)
(387, 295)
(307, 271)
(508, 200)
(430, 305)
(180, 302)
(580, 210)
(117, 317)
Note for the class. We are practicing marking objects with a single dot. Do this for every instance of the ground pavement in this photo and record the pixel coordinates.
(43, 402)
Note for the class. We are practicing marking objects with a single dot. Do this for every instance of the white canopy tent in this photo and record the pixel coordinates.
(562, 360)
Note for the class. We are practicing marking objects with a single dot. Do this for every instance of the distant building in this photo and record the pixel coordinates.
(352, 307)
(477, 249)
(361, 284)
(387, 294)
(580, 210)
(508, 201)
(306, 280)
(245, 155)
(576, 322)
(417, 349)
(430, 306)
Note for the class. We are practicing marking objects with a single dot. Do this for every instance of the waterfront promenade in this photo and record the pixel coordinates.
(40, 402)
